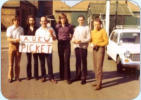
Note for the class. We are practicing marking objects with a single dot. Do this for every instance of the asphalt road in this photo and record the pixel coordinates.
(115, 86)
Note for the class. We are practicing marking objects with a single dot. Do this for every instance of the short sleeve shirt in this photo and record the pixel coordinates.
(45, 32)
(14, 32)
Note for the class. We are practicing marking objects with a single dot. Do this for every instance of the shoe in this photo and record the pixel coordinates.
(69, 81)
(61, 78)
(28, 78)
(43, 79)
(10, 80)
(94, 84)
(53, 81)
(83, 82)
(36, 78)
(98, 88)
(76, 79)
(18, 79)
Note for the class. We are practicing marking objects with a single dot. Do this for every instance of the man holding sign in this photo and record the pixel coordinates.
(46, 32)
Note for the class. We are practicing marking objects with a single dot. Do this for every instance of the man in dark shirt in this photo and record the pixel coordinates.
(30, 31)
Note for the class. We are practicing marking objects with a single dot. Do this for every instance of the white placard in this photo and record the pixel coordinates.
(35, 44)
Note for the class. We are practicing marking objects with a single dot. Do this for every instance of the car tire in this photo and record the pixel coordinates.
(119, 65)
(109, 58)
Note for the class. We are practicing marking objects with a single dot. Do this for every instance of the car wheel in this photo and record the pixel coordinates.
(119, 65)
(109, 58)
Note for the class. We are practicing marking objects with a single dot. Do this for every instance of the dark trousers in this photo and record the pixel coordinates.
(29, 65)
(81, 63)
(47, 57)
(64, 57)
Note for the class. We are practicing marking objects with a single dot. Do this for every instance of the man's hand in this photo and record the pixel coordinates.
(17, 40)
(96, 47)
(13, 40)
(52, 35)
(91, 45)
(77, 41)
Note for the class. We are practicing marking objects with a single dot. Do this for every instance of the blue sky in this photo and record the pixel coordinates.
(71, 2)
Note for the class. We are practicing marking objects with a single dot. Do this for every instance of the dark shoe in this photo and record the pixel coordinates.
(28, 78)
(10, 80)
(18, 79)
(77, 79)
(43, 79)
(98, 88)
(69, 81)
(36, 78)
(83, 82)
(61, 78)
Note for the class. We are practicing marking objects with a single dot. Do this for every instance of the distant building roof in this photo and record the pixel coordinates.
(70, 10)
(12, 4)
(100, 8)
(133, 7)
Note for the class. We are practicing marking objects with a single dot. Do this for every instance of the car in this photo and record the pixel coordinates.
(124, 47)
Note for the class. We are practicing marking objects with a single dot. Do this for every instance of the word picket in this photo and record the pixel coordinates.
(35, 44)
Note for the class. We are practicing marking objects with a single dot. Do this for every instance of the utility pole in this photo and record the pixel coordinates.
(107, 16)
(116, 13)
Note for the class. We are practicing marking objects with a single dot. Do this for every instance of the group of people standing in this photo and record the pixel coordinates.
(65, 33)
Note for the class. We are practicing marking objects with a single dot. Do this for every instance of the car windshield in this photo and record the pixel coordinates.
(133, 37)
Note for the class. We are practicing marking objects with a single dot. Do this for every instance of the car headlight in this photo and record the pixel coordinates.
(127, 54)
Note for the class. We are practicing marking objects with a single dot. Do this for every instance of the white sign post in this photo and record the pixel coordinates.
(35, 44)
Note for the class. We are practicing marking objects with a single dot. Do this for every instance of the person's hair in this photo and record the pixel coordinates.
(64, 16)
(30, 16)
(59, 20)
(45, 18)
(15, 18)
(81, 16)
(97, 19)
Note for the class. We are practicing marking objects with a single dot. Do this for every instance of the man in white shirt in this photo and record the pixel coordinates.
(81, 38)
(13, 36)
(45, 31)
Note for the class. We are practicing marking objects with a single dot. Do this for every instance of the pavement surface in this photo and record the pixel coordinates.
(116, 86)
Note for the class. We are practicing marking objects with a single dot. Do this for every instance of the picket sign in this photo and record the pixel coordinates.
(35, 44)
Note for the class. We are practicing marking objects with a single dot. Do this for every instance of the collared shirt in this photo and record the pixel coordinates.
(99, 38)
(63, 33)
(27, 30)
(81, 33)
(14, 32)
(44, 32)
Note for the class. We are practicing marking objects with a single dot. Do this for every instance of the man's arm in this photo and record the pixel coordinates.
(13, 40)
(53, 35)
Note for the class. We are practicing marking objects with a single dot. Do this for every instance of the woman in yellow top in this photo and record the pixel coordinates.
(99, 41)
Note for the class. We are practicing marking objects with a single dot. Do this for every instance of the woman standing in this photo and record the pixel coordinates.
(99, 41)
(64, 34)
(30, 31)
